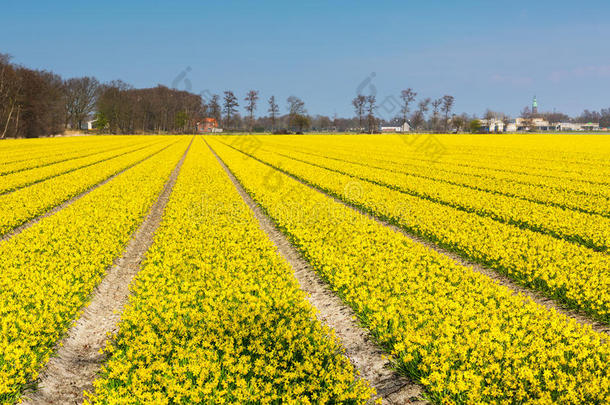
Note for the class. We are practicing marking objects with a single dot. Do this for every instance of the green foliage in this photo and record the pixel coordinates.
(181, 119)
(475, 126)
(299, 121)
(101, 122)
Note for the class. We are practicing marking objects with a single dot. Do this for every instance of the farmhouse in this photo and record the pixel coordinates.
(207, 125)
(492, 125)
(402, 128)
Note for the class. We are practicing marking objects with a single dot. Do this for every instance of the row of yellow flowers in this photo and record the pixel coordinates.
(216, 315)
(48, 271)
(588, 229)
(13, 151)
(24, 204)
(12, 181)
(565, 271)
(578, 194)
(510, 158)
(18, 155)
(467, 339)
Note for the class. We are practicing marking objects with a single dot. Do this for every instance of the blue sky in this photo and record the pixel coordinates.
(486, 54)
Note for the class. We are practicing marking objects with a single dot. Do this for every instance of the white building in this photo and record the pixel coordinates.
(403, 128)
(542, 125)
(536, 124)
(511, 126)
(573, 126)
(492, 125)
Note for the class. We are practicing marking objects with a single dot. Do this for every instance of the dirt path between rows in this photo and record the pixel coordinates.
(360, 348)
(78, 359)
(500, 279)
(63, 205)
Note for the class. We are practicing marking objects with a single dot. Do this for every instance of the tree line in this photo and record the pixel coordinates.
(31, 101)
(37, 103)
(123, 109)
(365, 108)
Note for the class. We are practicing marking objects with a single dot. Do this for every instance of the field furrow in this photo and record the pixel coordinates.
(572, 274)
(587, 197)
(27, 203)
(216, 315)
(51, 154)
(467, 339)
(14, 181)
(79, 355)
(592, 231)
(516, 163)
(318, 268)
(48, 271)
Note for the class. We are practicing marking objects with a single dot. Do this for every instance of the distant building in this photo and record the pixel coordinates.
(535, 124)
(538, 124)
(541, 125)
(492, 125)
(207, 125)
(573, 126)
(590, 126)
(511, 126)
(403, 128)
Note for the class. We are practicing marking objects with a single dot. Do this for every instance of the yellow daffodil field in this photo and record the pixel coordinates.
(49, 270)
(477, 265)
(216, 314)
(557, 251)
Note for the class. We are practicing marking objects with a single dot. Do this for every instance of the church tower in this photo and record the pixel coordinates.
(535, 106)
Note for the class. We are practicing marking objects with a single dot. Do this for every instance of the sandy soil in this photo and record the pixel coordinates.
(63, 205)
(78, 359)
(360, 347)
(500, 279)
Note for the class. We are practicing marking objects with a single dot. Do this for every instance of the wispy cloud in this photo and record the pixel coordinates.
(592, 71)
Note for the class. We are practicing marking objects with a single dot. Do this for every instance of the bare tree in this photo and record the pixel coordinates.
(321, 123)
(527, 119)
(424, 105)
(251, 99)
(230, 106)
(81, 96)
(122, 109)
(418, 119)
(359, 103)
(489, 118)
(274, 110)
(297, 113)
(301, 122)
(370, 109)
(446, 108)
(505, 122)
(41, 107)
(296, 106)
(10, 88)
(556, 116)
(435, 107)
(214, 108)
(407, 96)
(459, 122)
